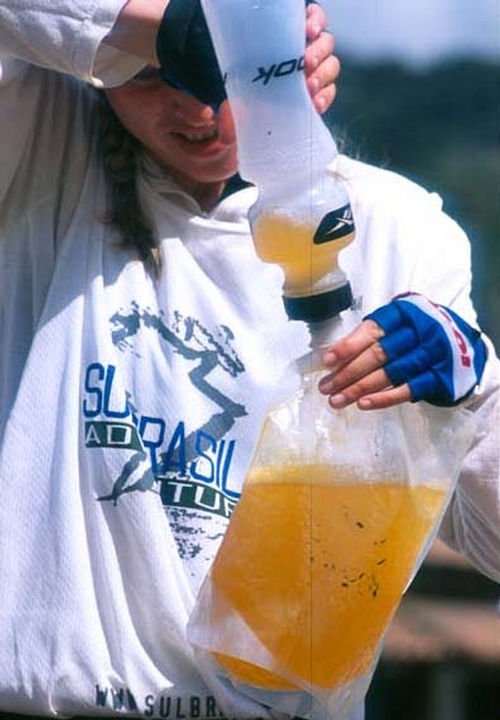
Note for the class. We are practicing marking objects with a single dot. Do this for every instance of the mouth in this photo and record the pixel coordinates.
(197, 137)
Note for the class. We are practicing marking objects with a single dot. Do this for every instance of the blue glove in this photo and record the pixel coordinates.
(431, 348)
(186, 54)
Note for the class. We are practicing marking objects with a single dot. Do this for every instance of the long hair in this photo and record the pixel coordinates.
(120, 153)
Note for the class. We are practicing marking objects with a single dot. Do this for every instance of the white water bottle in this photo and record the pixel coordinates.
(302, 217)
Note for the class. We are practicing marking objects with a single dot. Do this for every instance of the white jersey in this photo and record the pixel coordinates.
(130, 406)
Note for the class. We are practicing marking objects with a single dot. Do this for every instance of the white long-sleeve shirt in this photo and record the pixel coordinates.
(130, 407)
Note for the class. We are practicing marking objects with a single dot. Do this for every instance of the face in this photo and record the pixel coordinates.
(197, 145)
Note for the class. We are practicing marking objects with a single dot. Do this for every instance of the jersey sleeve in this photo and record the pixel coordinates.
(443, 266)
(67, 36)
(50, 55)
(471, 524)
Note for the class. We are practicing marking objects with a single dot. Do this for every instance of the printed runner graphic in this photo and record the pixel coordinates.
(191, 467)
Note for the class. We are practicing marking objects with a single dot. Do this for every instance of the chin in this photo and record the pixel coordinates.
(209, 175)
(216, 177)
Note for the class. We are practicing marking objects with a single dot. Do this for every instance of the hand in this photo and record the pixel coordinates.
(188, 62)
(408, 350)
(322, 67)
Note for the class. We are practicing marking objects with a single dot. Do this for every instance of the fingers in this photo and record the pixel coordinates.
(361, 369)
(341, 396)
(321, 83)
(387, 398)
(324, 98)
(372, 392)
(317, 51)
(349, 347)
(359, 376)
(316, 21)
(321, 66)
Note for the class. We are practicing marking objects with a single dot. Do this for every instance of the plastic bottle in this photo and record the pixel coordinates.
(302, 217)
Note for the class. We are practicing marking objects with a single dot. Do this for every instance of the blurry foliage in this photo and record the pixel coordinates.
(441, 127)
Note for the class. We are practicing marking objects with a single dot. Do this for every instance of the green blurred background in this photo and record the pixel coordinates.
(439, 125)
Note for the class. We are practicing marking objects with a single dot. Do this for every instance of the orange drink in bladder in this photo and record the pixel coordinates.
(315, 563)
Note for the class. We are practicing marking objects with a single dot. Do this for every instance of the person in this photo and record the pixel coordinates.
(142, 340)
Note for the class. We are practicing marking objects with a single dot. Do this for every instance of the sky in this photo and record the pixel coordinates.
(418, 33)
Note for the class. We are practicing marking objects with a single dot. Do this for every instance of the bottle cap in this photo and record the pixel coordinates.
(314, 308)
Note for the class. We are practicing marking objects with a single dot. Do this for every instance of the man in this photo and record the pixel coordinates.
(131, 400)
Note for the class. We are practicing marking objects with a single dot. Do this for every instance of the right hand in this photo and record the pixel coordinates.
(408, 350)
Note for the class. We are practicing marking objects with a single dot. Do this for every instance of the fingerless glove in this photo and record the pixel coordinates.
(431, 348)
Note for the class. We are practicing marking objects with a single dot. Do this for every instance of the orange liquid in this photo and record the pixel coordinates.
(289, 243)
(316, 566)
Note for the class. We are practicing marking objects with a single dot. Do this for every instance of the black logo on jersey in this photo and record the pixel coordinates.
(335, 225)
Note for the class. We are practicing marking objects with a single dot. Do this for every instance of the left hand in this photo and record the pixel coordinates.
(187, 58)
(408, 350)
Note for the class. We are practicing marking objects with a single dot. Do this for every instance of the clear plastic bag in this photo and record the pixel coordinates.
(337, 512)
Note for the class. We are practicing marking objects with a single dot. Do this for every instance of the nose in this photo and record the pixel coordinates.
(202, 115)
(192, 111)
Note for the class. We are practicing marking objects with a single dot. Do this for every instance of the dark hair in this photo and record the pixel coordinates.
(120, 152)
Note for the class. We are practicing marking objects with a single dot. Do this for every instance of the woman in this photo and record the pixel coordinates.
(132, 397)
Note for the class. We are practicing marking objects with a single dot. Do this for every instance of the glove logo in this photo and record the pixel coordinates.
(335, 225)
(462, 345)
